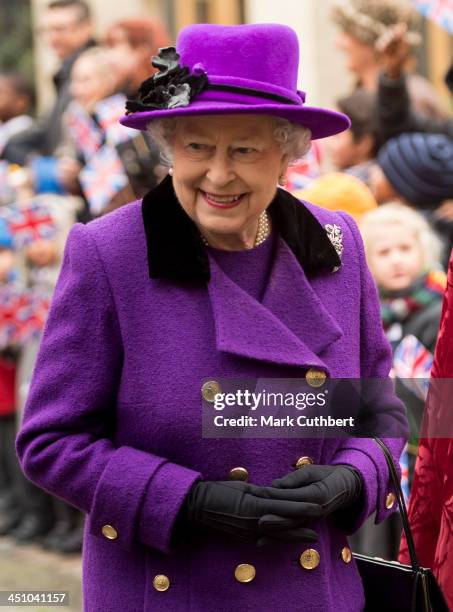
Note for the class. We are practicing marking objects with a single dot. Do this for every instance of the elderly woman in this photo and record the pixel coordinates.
(216, 274)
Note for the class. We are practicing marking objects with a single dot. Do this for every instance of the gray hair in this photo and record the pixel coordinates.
(294, 139)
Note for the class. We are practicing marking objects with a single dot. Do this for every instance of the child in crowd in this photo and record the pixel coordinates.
(403, 254)
(100, 158)
(418, 169)
(37, 229)
(62, 528)
(92, 80)
(354, 150)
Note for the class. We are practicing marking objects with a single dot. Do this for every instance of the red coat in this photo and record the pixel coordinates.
(7, 386)
(431, 500)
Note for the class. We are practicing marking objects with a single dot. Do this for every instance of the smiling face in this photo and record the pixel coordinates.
(225, 174)
(395, 256)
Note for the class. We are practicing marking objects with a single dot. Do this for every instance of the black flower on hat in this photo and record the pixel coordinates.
(170, 87)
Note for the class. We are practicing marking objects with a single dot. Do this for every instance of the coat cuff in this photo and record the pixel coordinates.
(378, 493)
(130, 476)
(162, 502)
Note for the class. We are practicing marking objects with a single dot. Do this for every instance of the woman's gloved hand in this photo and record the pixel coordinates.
(324, 489)
(233, 509)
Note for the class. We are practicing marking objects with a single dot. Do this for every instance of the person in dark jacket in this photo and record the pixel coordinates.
(68, 26)
(16, 102)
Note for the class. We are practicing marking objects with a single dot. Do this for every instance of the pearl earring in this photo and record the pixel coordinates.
(282, 180)
(170, 171)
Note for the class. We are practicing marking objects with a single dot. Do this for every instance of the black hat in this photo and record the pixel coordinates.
(419, 167)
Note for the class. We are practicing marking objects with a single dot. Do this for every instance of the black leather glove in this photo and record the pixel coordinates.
(230, 507)
(320, 489)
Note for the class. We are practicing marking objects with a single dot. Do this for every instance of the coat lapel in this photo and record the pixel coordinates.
(290, 296)
(289, 327)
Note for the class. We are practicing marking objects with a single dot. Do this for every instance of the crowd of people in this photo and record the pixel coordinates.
(392, 170)
(71, 164)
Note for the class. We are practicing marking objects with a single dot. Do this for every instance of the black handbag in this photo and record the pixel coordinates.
(391, 586)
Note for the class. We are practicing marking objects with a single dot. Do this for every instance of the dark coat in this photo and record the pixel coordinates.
(45, 135)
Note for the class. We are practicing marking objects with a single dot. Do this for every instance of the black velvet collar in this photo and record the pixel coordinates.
(176, 251)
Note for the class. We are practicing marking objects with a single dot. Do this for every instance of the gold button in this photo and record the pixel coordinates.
(303, 461)
(315, 378)
(244, 572)
(210, 389)
(109, 532)
(390, 500)
(161, 582)
(238, 473)
(346, 554)
(309, 559)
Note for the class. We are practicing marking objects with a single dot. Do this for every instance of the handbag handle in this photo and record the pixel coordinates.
(401, 504)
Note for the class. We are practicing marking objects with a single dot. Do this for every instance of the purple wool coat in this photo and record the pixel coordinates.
(113, 420)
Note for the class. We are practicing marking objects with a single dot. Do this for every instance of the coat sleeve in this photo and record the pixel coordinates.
(365, 454)
(395, 115)
(65, 442)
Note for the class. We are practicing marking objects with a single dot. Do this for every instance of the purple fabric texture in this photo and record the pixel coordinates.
(248, 269)
(258, 59)
(113, 419)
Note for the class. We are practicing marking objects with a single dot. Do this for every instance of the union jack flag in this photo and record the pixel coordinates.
(85, 133)
(9, 300)
(28, 221)
(31, 316)
(301, 174)
(22, 315)
(102, 178)
(440, 11)
(404, 464)
(412, 363)
(108, 112)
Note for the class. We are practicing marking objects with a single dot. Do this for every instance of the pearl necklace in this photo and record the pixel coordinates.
(262, 232)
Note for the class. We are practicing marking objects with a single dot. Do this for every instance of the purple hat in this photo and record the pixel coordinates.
(225, 70)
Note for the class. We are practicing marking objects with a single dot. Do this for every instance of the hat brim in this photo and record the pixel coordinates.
(321, 122)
